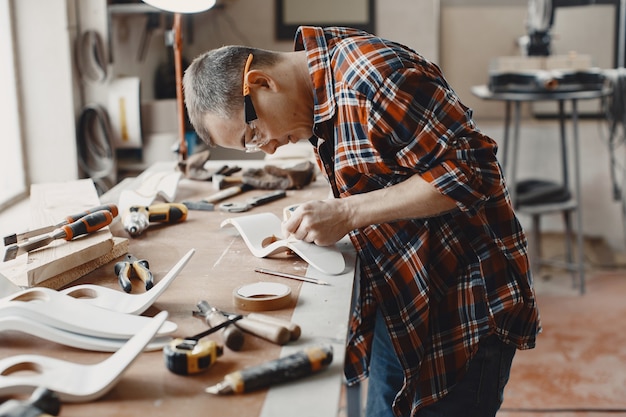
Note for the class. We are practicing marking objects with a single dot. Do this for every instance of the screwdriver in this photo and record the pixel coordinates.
(231, 335)
(85, 225)
(295, 366)
(139, 218)
(15, 238)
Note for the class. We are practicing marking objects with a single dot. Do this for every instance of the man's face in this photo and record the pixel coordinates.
(278, 123)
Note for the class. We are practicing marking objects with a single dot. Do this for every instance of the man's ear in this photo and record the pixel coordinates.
(261, 79)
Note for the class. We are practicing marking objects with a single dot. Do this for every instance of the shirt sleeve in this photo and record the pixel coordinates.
(418, 120)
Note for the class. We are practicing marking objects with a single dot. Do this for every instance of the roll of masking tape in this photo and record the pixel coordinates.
(262, 296)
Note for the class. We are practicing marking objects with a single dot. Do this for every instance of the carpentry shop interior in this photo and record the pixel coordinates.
(172, 274)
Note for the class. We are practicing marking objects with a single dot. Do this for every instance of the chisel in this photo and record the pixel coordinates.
(85, 225)
(16, 238)
(295, 366)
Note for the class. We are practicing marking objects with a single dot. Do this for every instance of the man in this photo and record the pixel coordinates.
(445, 293)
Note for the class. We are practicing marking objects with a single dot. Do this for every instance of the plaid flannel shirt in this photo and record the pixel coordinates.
(382, 114)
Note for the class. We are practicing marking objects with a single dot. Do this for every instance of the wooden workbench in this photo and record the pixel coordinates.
(221, 263)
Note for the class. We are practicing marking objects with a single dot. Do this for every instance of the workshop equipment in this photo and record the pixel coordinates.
(266, 327)
(273, 177)
(138, 218)
(132, 267)
(83, 226)
(190, 355)
(222, 177)
(289, 368)
(252, 202)
(232, 336)
(16, 238)
(41, 403)
(228, 192)
(291, 276)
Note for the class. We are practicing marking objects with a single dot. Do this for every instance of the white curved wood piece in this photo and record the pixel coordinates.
(75, 340)
(54, 309)
(123, 302)
(259, 229)
(22, 374)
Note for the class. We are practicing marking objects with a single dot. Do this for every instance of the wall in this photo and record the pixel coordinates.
(44, 34)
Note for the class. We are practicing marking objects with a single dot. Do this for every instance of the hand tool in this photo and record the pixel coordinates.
(292, 276)
(221, 178)
(289, 368)
(293, 328)
(252, 202)
(138, 218)
(132, 267)
(16, 238)
(41, 403)
(232, 336)
(199, 205)
(190, 355)
(83, 226)
(260, 325)
(226, 193)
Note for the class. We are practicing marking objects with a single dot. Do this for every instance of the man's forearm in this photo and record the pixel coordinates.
(413, 198)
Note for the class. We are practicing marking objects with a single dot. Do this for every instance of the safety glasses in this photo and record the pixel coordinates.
(255, 142)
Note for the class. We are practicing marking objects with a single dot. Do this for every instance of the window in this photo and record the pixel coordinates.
(13, 178)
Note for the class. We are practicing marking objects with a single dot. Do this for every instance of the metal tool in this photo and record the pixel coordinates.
(190, 355)
(85, 225)
(132, 267)
(226, 193)
(20, 237)
(291, 276)
(41, 403)
(289, 368)
(138, 218)
(253, 202)
(266, 327)
(232, 336)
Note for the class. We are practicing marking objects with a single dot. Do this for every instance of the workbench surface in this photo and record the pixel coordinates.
(221, 263)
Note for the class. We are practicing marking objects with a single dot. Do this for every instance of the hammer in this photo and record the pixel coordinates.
(223, 181)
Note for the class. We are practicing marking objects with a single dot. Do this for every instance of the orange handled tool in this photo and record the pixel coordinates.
(16, 238)
(85, 225)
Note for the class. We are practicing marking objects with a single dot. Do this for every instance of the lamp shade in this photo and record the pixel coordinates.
(182, 6)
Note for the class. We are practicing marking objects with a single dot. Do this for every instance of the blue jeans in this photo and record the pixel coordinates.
(478, 394)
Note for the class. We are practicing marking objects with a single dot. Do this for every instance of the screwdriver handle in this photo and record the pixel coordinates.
(231, 335)
(271, 332)
(71, 219)
(88, 224)
(288, 368)
(294, 329)
(167, 213)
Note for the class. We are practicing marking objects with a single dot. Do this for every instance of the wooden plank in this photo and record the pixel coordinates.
(50, 203)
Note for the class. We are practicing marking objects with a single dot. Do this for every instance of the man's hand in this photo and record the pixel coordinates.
(326, 222)
(321, 222)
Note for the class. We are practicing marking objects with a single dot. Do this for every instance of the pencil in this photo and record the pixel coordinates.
(292, 276)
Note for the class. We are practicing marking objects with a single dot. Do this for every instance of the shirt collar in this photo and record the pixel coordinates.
(313, 41)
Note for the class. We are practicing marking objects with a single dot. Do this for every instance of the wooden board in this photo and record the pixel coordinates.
(61, 260)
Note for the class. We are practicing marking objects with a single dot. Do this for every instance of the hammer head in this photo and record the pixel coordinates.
(222, 181)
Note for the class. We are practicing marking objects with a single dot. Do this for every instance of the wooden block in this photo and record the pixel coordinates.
(49, 204)
(120, 248)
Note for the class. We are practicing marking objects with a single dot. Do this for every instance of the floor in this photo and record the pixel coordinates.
(578, 368)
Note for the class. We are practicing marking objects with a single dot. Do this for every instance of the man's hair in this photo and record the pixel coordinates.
(213, 83)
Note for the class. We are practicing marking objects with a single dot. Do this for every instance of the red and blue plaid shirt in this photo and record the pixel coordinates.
(382, 114)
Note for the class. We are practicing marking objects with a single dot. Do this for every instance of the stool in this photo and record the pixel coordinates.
(538, 197)
(539, 207)
(535, 211)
